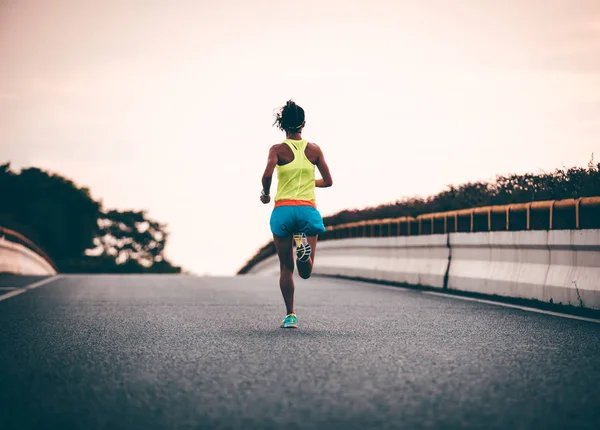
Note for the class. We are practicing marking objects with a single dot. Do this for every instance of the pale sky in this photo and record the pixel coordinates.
(168, 105)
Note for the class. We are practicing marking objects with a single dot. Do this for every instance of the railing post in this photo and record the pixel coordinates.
(577, 204)
(472, 216)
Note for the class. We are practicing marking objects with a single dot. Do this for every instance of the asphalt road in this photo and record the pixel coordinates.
(181, 352)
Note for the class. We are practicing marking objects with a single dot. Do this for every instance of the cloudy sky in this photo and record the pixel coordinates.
(167, 105)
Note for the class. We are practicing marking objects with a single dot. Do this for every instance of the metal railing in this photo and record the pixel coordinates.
(568, 214)
(13, 236)
(571, 214)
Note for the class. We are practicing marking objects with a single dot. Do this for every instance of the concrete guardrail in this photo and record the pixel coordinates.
(546, 251)
(18, 255)
(560, 267)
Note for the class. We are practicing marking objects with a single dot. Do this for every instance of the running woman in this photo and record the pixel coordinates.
(295, 218)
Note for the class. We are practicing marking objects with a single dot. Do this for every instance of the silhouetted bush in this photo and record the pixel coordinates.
(561, 184)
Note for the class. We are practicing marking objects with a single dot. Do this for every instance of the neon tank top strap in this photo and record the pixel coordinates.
(296, 145)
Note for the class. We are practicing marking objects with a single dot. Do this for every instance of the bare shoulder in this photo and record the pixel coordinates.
(278, 146)
(275, 149)
(283, 153)
(313, 147)
(313, 152)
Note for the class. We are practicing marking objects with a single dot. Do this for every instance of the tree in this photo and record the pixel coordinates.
(130, 236)
(50, 210)
(73, 229)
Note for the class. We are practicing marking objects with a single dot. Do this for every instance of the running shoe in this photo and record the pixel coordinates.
(290, 321)
(303, 248)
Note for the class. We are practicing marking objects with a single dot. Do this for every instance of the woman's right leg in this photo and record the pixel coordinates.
(312, 225)
(305, 267)
(283, 245)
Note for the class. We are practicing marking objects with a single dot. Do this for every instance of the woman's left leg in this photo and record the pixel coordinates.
(283, 245)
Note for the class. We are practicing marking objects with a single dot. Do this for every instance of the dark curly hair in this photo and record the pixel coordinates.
(289, 118)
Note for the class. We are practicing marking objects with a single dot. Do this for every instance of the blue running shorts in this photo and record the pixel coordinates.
(289, 220)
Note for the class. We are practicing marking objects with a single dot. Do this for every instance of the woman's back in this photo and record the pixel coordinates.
(295, 173)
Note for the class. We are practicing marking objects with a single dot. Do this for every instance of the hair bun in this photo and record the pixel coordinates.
(290, 117)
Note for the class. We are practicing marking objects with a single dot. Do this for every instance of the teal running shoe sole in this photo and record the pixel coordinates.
(290, 321)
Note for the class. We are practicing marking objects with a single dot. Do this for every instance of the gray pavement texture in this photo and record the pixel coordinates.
(8, 280)
(181, 352)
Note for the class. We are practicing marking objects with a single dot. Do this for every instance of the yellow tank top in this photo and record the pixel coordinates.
(296, 180)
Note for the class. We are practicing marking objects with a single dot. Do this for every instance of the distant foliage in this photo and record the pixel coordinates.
(561, 184)
(50, 210)
(130, 235)
(74, 230)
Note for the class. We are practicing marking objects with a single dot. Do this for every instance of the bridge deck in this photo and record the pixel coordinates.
(150, 352)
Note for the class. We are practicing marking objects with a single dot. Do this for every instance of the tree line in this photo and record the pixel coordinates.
(560, 184)
(78, 234)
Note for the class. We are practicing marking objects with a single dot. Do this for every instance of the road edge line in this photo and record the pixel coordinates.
(509, 305)
(29, 287)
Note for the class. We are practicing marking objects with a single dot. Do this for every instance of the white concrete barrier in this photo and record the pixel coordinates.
(574, 272)
(558, 266)
(268, 266)
(511, 264)
(20, 260)
(415, 260)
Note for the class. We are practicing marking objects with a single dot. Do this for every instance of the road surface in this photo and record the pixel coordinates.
(183, 352)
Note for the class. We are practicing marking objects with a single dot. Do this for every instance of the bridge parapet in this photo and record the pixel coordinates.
(21, 256)
(546, 251)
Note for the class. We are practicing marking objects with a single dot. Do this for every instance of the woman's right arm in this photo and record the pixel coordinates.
(327, 181)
